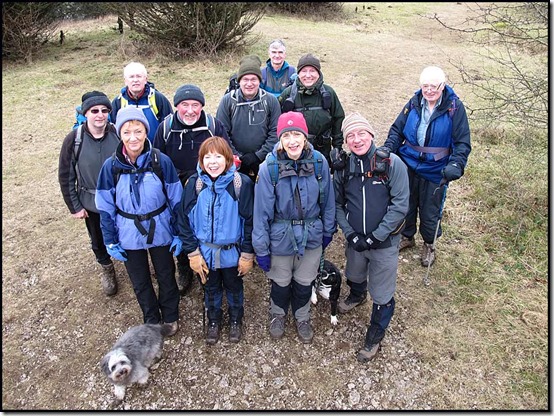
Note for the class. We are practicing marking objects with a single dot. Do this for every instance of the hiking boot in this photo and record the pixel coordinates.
(427, 255)
(406, 242)
(368, 353)
(277, 326)
(184, 280)
(235, 332)
(109, 283)
(213, 333)
(174, 327)
(305, 332)
(350, 302)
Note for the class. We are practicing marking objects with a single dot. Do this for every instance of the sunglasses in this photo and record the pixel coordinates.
(96, 111)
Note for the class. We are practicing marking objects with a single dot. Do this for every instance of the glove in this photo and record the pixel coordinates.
(246, 262)
(357, 241)
(452, 171)
(249, 160)
(198, 264)
(372, 242)
(338, 158)
(264, 262)
(237, 161)
(117, 252)
(176, 246)
(326, 241)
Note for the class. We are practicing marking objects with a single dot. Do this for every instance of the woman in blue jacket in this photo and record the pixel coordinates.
(294, 220)
(137, 194)
(215, 225)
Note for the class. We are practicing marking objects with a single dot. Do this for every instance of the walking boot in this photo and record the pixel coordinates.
(406, 242)
(235, 331)
(427, 255)
(368, 353)
(277, 326)
(350, 302)
(109, 283)
(213, 333)
(305, 331)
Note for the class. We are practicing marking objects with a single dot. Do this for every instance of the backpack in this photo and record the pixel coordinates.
(317, 160)
(237, 184)
(233, 84)
(235, 103)
(168, 121)
(380, 166)
(289, 104)
(291, 73)
(151, 100)
(80, 117)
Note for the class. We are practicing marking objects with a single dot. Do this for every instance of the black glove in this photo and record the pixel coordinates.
(372, 242)
(249, 160)
(357, 241)
(338, 158)
(452, 171)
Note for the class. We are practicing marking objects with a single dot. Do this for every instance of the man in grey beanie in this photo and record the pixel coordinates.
(83, 152)
(250, 116)
(180, 136)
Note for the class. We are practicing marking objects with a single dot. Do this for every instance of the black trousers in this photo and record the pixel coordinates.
(167, 302)
(96, 239)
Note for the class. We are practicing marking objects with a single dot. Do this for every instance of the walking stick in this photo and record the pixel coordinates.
(426, 280)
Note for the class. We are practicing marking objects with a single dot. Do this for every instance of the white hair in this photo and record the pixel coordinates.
(134, 67)
(432, 75)
(278, 43)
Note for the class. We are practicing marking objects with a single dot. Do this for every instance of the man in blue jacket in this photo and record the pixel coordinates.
(431, 135)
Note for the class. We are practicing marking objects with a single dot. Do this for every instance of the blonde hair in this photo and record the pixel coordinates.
(215, 144)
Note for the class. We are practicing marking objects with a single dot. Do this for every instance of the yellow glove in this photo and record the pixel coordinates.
(246, 262)
(198, 264)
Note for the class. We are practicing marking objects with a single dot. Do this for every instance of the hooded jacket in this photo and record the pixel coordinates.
(138, 193)
(273, 204)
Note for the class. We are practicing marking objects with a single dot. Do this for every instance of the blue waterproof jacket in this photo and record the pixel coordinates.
(448, 128)
(274, 207)
(214, 220)
(137, 193)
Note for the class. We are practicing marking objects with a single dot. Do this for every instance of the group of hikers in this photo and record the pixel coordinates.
(269, 179)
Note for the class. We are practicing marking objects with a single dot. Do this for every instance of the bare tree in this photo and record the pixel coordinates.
(513, 39)
(26, 27)
(192, 27)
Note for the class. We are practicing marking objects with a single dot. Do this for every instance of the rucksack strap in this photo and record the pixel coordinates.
(218, 248)
(437, 152)
(237, 184)
(168, 121)
(144, 217)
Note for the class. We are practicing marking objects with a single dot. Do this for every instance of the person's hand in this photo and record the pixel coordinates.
(198, 264)
(264, 262)
(246, 262)
(372, 242)
(117, 252)
(81, 214)
(326, 241)
(176, 246)
(338, 158)
(452, 171)
(357, 241)
(249, 159)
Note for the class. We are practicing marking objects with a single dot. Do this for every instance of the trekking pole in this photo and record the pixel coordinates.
(426, 280)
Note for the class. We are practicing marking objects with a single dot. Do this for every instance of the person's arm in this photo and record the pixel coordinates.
(337, 115)
(164, 106)
(246, 211)
(67, 175)
(105, 203)
(264, 211)
(340, 201)
(395, 137)
(274, 113)
(188, 201)
(461, 142)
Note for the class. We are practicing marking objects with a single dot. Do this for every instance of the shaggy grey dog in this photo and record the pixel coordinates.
(132, 355)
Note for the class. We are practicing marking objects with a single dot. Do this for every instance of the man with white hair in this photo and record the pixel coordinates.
(431, 135)
(138, 91)
(371, 194)
(277, 74)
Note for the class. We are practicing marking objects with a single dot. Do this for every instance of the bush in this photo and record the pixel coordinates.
(310, 10)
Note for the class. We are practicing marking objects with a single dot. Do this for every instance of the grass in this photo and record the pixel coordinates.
(482, 326)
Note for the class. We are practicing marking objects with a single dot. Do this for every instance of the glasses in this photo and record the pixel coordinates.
(96, 111)
(431, 87)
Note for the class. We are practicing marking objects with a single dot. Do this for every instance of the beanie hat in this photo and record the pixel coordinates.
(130, 113)
(355, 121)
(250, 64)
(90, 99)
(188, 92)
(308, 60)
(292, 121)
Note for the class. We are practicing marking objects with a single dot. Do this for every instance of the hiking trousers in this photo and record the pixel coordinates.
(425, 200)
(139, 272)
(227, 279)
(96, 240)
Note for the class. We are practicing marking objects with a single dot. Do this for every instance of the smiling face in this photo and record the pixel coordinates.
(135, 77)
(97, 116)
(214, 164)
(189, 111)
(308, 76)
(133, 134)
(293, 142)
(359, 141)
(277, 55)
(249, 85)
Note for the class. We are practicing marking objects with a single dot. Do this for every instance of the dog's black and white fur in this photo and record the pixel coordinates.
(327, 285)
(132, 355)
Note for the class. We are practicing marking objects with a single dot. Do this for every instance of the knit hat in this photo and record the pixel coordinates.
(250, 64)
(308, 60)
(130, 113)
(355, 121)
(188, 92)
(90, 99)
(292, 121)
